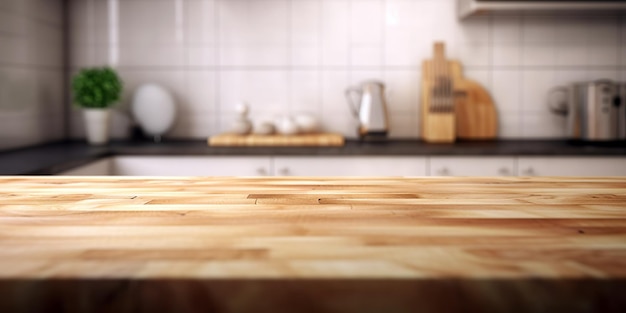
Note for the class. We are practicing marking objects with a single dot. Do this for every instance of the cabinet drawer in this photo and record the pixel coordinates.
(572, 166)
(191, 166)
(472, 166)
(350, 166)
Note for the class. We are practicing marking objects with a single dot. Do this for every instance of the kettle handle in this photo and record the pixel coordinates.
(558, 107)
(355, 108)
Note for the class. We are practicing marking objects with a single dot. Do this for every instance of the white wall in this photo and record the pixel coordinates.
(31, 72)
(299, 55)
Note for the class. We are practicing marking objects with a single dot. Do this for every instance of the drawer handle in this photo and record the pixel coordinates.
(261, 171)
(529, 172)
(443, 171)
(504, 171)
(283, 171)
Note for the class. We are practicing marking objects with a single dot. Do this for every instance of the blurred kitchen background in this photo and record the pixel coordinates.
(288, 56)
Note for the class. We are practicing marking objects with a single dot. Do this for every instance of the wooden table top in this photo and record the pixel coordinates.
(209, 227)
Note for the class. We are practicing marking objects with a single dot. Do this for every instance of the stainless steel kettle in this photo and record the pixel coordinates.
(595, 111)
(370, 109)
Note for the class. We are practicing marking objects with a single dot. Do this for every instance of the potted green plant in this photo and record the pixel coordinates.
(96, 90)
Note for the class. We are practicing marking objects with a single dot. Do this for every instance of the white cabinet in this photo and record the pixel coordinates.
(353, 166)
(96, 168)
(572, 166)
(350, 166)
(471, 166)
(191, 166)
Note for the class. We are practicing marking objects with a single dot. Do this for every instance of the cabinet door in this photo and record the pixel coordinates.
(572, 166)
(96, 168)
(350, 166)
(471, 166)
(191, 166)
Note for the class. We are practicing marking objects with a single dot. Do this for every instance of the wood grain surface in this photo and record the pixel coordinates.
(372, 234)
(300, 140)
(474, 115)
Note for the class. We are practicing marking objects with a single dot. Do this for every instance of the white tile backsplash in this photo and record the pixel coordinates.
(151, 55)
(201, 92)
(340, 123)
(305, 91)
(536, 84)
(506, 54)
(507, 93)
(539, 29)
(573, 29)
(604, 29)
(474, 54)
(509, 124)
(481, 76)
(572, 54)
(403, 90)
(32, 106)
(293, 56)
(254, 55)
(565, 76)
(305, 55)
(334, 83)
(542, 125)
(263, 90)
(148, 22)
(201, 55)
(403, 124)
(196, 125)
(506, 29)
(253, 22)
(305, 20)
(404, 53)
(366, 22)
(603, 55)
(539, 54)
(475, 30)
(358, 76)
(603, 74)
(335, 35)
(366, 55)
(200, 22)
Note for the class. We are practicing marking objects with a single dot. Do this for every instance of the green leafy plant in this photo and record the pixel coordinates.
(96, 87)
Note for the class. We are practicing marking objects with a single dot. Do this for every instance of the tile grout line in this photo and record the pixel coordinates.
(290, 74)
(320, 59)
(65, 111)
(522, 53)
(218, 72)
(349, 43)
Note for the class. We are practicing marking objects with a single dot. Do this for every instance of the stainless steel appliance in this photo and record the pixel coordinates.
(621, 112)
(370, 109)
(594, 110)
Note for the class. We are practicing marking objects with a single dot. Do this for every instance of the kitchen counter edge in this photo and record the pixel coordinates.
(54, 158)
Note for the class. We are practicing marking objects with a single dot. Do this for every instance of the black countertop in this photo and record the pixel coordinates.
(57, 157)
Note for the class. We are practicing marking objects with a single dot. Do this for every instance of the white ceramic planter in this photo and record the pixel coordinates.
(97, 123)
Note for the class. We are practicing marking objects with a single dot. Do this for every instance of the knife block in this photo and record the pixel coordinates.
(452, 106)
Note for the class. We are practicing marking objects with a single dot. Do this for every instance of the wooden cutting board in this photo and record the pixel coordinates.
(474, 116)
(308, 140)
(438, 116)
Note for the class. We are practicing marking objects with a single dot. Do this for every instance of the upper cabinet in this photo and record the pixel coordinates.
(469, 8)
